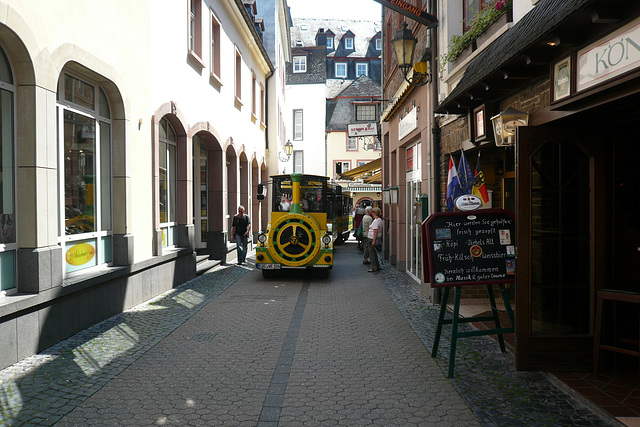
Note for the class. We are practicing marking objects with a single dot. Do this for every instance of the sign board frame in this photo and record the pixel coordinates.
(466, 240)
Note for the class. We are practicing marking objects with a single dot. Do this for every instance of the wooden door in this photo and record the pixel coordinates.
(559, 183)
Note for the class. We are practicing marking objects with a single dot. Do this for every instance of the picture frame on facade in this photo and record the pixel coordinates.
(479, 123)
(561, 79)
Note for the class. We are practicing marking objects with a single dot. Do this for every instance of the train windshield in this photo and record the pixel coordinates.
(313, 191)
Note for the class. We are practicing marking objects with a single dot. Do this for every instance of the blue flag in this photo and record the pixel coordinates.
(453, 185)
(465, 176)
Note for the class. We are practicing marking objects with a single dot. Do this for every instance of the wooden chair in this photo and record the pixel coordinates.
(615, 296)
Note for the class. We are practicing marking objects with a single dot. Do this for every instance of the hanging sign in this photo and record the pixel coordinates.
(411, 11)
(362, 129)
(470, 248)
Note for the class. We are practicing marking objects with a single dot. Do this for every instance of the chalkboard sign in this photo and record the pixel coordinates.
(470, 248)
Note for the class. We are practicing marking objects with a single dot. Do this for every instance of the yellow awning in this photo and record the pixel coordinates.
(364, 172)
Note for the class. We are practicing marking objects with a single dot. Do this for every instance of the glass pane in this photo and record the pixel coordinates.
(163, 182)
(105, 250)
(203, 230)
(203, 186)
(163, 129)
(104, 105)
(79, 173)
(105, 175)
(79, 92)
(560, 240)
(7, 221)
(7, 270)
(5, 69)
(80, 255)
(171, 152)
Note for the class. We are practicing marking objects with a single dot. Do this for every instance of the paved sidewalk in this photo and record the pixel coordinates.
(230, 348)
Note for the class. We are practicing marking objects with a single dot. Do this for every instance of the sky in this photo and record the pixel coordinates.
(342, 9)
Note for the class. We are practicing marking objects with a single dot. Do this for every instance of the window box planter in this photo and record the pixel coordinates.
(502, 21)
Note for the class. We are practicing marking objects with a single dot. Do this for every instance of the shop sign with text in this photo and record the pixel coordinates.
(614, 55)
(408, 123)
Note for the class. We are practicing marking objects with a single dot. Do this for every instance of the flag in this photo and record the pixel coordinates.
(464, 175)
(479, 188)
(453, 185)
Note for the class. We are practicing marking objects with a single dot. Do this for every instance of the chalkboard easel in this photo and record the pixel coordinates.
(470, 248)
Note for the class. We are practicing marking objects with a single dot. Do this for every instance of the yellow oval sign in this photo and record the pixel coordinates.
(80, 254)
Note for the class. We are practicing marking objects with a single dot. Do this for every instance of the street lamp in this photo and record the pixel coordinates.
(505, 125)
(404, 45)
(288, 150)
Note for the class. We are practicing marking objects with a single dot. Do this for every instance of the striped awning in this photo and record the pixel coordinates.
(366, 172)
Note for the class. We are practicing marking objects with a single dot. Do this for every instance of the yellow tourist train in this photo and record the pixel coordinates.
(307, 219)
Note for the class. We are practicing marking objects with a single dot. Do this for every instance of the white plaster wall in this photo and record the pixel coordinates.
(337, 150)
(142, 47)
(311, 99)
(111, 38)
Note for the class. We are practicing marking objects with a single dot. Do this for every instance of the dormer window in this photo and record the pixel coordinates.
(378, 44)
(304, 27)
(348, 43)
(329, 42)
(298, 42)
(299, 64)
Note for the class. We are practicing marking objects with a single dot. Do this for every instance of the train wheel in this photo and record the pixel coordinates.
(296, 240)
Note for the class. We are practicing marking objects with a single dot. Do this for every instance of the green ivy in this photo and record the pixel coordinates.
(477, 26)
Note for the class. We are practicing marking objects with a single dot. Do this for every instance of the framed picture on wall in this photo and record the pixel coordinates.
(479, 122)
(561, 80)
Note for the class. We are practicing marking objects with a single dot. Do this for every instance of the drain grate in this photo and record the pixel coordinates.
(204, 336)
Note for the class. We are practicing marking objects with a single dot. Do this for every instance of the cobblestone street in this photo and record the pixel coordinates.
(231, 348)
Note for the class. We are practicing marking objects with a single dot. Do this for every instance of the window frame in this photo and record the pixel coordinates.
(215, 47)
(349, 43)
(101, 236)
(254, 101)
(194, 30)
(346, 72)
(298, 155)
(262, 105)
(466, 8)
(170, 224)
(9, 250)
(366, 68)
(238, 78)
(298, 128)
(378, 42)
(352, 140)
(301, 65)
(330, 43)
(360, 109)
(342, 164)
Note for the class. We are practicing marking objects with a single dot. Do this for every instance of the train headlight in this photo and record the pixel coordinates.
(262, 238)
(326, 239)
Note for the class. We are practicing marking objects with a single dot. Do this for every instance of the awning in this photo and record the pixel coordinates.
(364, 172)
(489, 76)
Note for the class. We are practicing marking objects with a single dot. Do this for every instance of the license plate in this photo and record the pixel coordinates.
(270, 266)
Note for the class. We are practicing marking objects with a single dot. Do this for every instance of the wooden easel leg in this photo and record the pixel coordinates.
(454, 332)
(496, 318)
(443, 310)
(507, 304)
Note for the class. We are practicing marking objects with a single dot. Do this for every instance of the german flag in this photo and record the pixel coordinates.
(479, 187)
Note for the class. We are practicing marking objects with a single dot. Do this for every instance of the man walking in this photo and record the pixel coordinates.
(240, 228)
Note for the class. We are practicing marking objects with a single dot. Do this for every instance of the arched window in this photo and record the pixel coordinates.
(168, 181)
(84, 141)
(7, 178)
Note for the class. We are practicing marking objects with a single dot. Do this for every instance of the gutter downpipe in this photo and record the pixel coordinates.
(435, 133)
